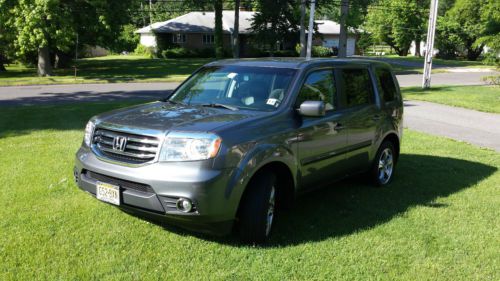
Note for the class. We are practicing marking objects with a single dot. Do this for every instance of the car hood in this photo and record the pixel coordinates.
(163, 117)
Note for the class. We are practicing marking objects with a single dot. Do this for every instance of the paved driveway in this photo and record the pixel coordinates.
(482, 129)
(52, 94)
(479, 128)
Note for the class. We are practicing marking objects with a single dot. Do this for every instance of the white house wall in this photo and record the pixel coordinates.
(333, 40)
(148, 40)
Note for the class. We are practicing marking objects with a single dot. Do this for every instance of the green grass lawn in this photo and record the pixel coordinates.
(438, 220)
(482, 98)
(134, 68)
(107, 70)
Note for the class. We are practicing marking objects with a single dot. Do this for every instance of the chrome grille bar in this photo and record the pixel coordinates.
(138, 149)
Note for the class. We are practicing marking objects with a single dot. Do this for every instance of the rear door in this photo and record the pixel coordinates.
(362, 112)
(321, 140)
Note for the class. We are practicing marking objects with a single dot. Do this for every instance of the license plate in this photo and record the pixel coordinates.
(108, 193)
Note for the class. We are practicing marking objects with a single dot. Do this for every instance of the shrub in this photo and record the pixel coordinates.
(127, 39)
(176, 53)
(492, 80)
(317, 51)
(145, 51)
(320, 51)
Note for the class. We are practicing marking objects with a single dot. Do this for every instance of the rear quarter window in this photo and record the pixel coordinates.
(386, 85)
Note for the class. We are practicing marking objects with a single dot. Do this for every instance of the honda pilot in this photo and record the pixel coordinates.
(239, 139)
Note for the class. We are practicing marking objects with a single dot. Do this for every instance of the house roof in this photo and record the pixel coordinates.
(330, 27)
(201, 22)
(204, 22)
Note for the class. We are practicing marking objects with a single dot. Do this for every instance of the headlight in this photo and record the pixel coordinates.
(181, 146)
(89, 130)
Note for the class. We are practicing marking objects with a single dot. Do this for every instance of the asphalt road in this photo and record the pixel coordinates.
(479, 128)
(482, 129)
(54, 94)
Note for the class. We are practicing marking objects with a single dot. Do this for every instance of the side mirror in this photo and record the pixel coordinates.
(312, 108)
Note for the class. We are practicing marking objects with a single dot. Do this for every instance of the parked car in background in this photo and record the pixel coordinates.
(240, 139)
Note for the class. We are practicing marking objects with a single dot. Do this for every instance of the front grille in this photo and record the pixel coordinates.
(137, 149)
(115, 181)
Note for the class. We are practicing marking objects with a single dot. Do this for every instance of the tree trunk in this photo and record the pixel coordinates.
(2, 67)
(344, 11)
(236, 30)
(474, 53)
(303, 29)
(44, 66)
(417, 47)
(403, 52)
(219, 43)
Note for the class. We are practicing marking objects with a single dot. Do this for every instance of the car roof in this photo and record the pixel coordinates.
(296, 63)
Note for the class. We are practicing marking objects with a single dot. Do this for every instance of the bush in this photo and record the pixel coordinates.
(492, 80)
(491, 58)
(285, 53)
(145, 51)
(127, 39)
(320, 51)
(176, 53)
(317, 51)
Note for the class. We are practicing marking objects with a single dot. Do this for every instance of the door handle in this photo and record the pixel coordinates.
(376, 117)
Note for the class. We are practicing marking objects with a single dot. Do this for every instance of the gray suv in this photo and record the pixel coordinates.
(239, 139)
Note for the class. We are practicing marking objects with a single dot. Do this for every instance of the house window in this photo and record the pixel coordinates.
(178, 38)
(208, 39)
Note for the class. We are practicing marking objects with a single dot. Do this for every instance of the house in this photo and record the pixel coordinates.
(195, 30)
(330, 33)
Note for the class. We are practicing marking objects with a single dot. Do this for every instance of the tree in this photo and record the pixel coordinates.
(469, 25)
(397, 23)
(236, 30)
(490, 15)
(6, 34)
(302, 33)
(218, 35)
(275, 21)
(49, 27)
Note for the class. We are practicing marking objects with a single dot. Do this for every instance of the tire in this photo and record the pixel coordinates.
(384, 164)
(257, 209)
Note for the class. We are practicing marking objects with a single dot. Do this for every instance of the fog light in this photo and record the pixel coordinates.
(184, 205)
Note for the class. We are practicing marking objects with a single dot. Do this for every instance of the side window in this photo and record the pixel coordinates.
(357, 87)
(319, 86)
(386, 84)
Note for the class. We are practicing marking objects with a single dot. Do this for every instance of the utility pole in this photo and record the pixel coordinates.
(310, 30)
(344, 11)
(429, 45)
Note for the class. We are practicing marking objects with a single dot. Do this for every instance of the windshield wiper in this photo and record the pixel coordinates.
(173, 102)
(220, 105)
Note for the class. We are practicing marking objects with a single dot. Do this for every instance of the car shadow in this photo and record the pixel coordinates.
(353, 205)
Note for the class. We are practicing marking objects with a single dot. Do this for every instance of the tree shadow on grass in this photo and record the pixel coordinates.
(21, 120)
(352, 205)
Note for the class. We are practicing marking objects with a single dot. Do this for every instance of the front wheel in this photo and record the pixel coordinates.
(257, 210)
(384, 164)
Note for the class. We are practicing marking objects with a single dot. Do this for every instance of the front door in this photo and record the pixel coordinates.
(321, 140)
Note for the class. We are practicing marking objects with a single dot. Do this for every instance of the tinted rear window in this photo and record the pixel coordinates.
(386, 84)
(356, 87)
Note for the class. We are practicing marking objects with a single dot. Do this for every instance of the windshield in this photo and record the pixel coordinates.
(254, 88)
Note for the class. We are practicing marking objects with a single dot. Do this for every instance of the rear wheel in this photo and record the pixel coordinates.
(383, 166)
(257, 210)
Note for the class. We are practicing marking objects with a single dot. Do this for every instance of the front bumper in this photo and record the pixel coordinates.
(152, 190)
